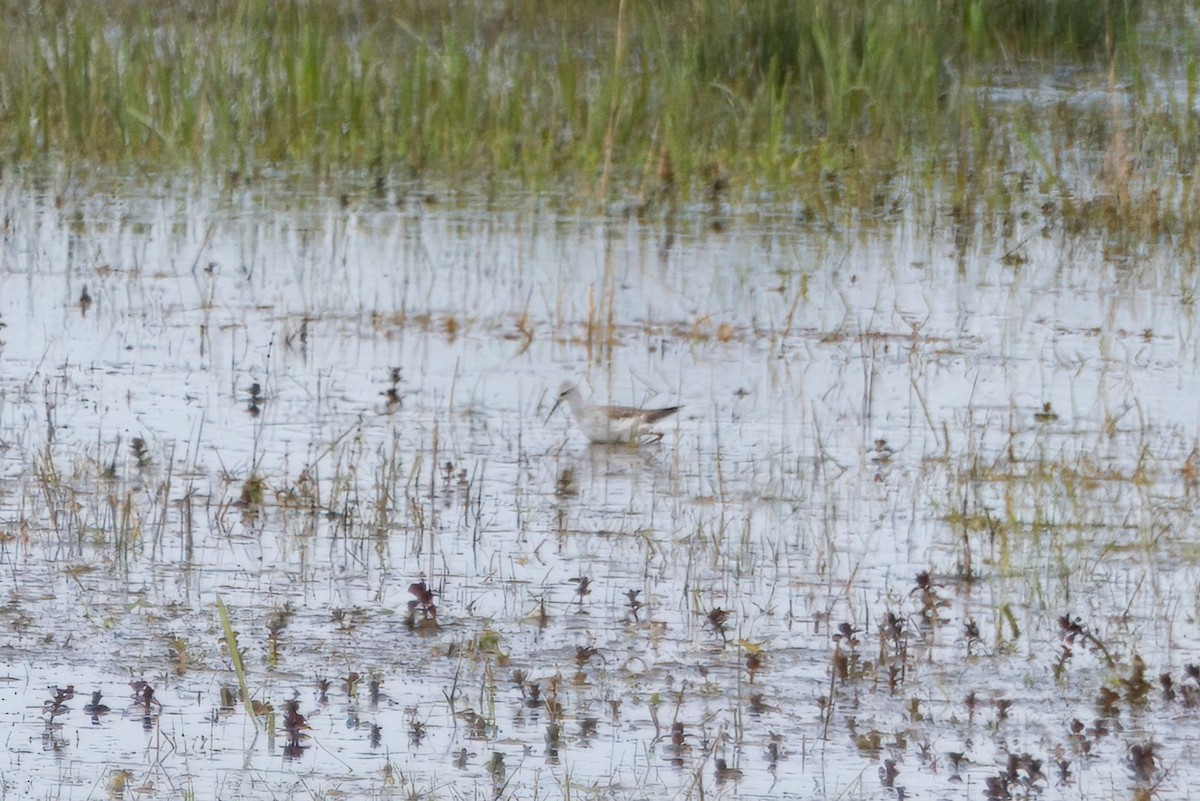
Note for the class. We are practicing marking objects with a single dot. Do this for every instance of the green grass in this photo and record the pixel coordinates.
(826, 99)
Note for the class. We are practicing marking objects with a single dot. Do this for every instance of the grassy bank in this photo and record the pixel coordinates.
(826, 98)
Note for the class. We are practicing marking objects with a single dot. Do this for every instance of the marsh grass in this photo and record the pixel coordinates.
(831, 101)
(235, 658)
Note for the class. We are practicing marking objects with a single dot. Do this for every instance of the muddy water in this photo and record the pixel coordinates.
(302, 405)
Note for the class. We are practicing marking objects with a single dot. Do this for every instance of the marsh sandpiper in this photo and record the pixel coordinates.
(611, 425)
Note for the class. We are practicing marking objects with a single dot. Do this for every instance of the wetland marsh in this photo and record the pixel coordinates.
(278, 478)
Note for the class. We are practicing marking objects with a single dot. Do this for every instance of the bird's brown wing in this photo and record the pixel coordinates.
(654, 415)
(649, 415)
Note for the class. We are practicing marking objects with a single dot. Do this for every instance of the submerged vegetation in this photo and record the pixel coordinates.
(826, 100)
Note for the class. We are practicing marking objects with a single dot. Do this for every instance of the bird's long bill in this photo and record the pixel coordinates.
(554, 408)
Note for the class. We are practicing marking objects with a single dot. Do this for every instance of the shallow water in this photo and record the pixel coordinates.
(861, 406)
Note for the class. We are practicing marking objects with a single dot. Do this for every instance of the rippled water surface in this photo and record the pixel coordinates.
(922, 528)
